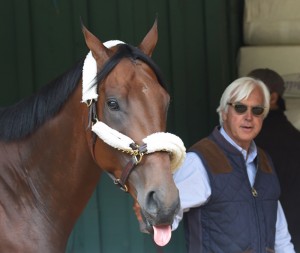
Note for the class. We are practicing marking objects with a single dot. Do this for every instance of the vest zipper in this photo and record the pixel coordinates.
(254, 192)
(255, 195)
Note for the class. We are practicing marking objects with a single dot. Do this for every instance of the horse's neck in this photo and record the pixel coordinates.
(50, 179)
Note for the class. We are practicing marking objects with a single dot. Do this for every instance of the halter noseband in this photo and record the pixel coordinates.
(155, 142)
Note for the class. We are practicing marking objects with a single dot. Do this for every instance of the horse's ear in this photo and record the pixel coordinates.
(149, 42)
(98, 50)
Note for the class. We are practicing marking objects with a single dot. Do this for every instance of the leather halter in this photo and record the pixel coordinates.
(136, 158)
(136, 154)
(163, 141)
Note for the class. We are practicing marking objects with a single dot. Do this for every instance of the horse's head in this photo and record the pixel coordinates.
(128, 108)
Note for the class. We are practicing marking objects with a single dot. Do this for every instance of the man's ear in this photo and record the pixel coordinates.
(224, 116)
(273, 99)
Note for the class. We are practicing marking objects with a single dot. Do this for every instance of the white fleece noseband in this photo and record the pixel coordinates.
(159, 141)
(155, 142)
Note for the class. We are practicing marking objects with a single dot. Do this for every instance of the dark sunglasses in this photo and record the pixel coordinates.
(241, 108)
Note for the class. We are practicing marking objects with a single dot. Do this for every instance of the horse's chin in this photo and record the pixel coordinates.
(148, 228)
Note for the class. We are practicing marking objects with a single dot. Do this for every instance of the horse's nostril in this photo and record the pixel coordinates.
(160, 206)
(151, 202)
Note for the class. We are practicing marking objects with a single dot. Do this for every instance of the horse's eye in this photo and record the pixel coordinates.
(113, 104)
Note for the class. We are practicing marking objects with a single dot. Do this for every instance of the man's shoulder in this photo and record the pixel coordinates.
(212, 155)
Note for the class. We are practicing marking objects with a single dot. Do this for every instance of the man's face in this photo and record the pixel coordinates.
(244, 127)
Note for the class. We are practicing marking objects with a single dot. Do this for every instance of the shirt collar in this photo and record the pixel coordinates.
(252, 150)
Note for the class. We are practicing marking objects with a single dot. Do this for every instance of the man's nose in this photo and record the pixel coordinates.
(249, 114)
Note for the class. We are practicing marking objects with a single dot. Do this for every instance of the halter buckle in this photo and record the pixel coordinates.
(138, 152)
(123, 187)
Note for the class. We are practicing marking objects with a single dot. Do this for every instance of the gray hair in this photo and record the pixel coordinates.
(240, 89)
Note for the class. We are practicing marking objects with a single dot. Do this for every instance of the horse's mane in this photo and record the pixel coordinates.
(128, 51)
(23, 118)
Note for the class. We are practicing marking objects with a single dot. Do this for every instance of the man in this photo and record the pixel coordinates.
(282, 141)
(227, 186)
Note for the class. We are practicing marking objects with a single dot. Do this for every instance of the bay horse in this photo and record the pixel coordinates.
(106, 114)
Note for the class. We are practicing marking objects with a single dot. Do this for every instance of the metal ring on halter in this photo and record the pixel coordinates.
(89, 102)
(138, 158)
(124, 187)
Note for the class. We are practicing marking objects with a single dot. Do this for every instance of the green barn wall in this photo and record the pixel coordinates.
(197, 47)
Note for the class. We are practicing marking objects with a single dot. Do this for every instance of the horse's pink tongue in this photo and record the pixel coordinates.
(162, 235)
